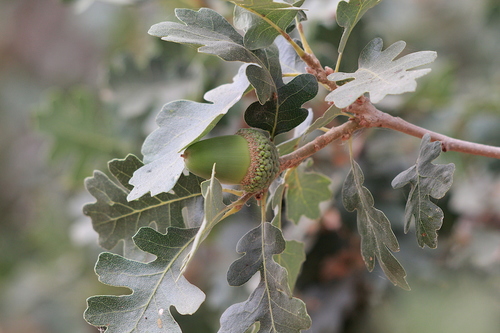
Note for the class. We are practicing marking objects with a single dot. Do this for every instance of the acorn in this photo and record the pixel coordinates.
(247, 158)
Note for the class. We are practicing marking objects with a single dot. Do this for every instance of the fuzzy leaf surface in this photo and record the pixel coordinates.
(206, 29)
(214, 209)
(290, 62)
(377, 238)
(306, 190)
(349, 14)
(212, 34)
(179, 124)
(285, 112)
(114, 218)
(156, 286)
(379, 74)
(271, 303)
(426, 180)
(259, 33)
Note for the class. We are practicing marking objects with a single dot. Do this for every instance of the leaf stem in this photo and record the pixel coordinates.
(295, 158)
(365, 115)
(236, 206)
(232, 191)
(303, 38)
(339, 59)
(263, 206)
(369, 116)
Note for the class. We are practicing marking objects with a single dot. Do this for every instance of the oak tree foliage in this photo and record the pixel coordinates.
(163, 216)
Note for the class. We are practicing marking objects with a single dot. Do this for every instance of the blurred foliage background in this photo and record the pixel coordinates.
(81, 82)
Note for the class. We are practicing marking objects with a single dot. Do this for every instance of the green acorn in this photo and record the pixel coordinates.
(247, 158)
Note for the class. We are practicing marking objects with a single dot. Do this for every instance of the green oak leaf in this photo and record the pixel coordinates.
(349, 14)
(377, 238)
(115, 219)
(284, 112)
(181, 123)
(299, 134)
(426, 180)
(271, 303)
(212, 34)
(292, 259)
(156, 286)
(254, 18)
(306, 190)
(294, 255)
(379, 74)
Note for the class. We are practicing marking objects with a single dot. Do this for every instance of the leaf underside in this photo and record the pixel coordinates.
(379, 74)
(377, 238)
(271, 303)
(212, 34)
(156, 286)
(426, 180)
(179, 124)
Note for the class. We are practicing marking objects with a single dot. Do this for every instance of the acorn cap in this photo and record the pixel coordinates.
(247, 158)
(264, 160)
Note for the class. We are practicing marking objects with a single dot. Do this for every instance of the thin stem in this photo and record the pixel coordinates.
(233, 191)
(237, 205)
(263, 207)
(303, 38)
(295, 158)
(369, 116)
(339, 59)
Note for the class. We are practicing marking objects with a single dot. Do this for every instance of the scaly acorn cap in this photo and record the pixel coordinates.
(247, 158)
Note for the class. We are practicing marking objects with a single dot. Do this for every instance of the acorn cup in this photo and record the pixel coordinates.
(247, 158)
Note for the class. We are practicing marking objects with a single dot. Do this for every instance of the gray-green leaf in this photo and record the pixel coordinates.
(426, 180)
(377, 238)
(259, 33)
(349, 14)
(271, 303)
(213, 213)
(379, 74)
(212, 34)
(181, 123)
(114, 218)
(156, 286)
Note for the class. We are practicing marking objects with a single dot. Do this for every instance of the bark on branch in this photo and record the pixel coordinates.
(365, 115)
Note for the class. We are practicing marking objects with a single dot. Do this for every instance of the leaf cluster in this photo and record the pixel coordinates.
(154, 209)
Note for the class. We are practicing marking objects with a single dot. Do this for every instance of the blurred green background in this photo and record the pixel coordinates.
(81, 83)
